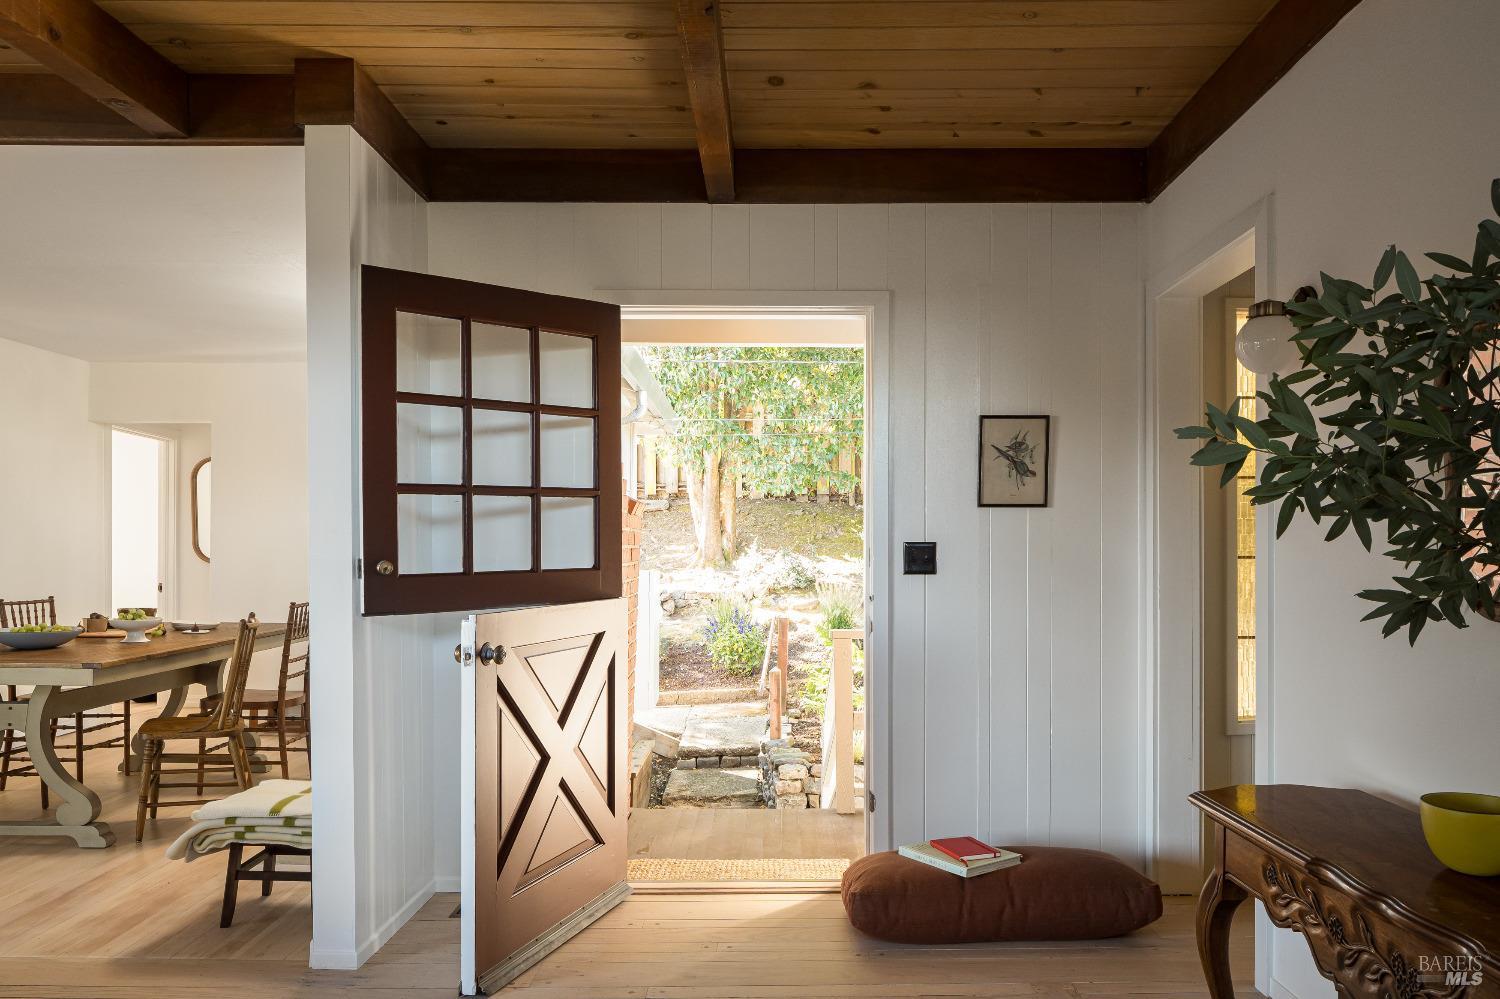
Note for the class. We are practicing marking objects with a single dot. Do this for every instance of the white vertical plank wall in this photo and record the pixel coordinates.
(1016, 673)
(378, 836)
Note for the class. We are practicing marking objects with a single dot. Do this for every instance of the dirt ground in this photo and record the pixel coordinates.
(832, 530)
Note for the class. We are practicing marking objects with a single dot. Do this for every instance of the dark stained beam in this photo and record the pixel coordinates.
(791, 176)
(708, 90)
(339, 92)
(251, 109)
(1272, 48)
(101, 57)
(854, 176)
(564, 175)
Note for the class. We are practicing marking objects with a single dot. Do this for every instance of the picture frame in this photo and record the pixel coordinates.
(1015, 457)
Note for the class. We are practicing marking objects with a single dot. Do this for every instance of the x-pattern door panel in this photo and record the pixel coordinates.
(549, 770)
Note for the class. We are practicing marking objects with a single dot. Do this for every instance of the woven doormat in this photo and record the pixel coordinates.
(670, 869)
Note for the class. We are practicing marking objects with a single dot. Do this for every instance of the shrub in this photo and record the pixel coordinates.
(839, 606)
(733, 639)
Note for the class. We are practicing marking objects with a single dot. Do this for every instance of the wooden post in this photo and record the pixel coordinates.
(648, 467)
(841, 699)
(782, 631)
(774, 701)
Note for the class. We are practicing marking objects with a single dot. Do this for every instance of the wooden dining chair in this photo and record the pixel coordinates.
(223, 724)
(85, 726)
(285, 711)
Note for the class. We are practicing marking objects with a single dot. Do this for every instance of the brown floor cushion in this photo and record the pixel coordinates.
(1052, 894)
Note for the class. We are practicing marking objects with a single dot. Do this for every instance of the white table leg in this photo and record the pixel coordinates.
(78, 807)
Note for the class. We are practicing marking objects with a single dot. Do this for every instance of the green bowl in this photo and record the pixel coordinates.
(1463, 830)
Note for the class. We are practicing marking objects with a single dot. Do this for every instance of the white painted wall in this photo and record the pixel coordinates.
(257, 416)
(385, 802)
(1345, 146)
(54, 484)
(1015, 669)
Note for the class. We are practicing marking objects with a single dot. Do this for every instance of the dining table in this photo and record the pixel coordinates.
(88, 673)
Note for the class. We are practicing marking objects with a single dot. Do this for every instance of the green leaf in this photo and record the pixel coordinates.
(1415, 429)
(1253, 433)
(1361, 529)
(1194, 433)
(1387, 264)
(1495, 195)
(1289, 508)
(1406, 278)
(1449, 260)
(1220, 452)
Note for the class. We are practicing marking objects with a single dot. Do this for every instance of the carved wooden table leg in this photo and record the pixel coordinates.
(77, 807)
(1216, 906)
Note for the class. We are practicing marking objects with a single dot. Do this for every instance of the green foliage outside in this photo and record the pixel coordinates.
(1392, 420)
(839, 607)
(733, 639)
(779, 424)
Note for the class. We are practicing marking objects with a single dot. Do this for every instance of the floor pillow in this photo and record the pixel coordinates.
(1052, 894)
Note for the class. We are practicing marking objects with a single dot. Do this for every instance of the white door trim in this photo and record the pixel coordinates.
(875, 306)
(1171, 755)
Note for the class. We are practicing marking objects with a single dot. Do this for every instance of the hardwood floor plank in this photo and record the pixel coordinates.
(72, 931)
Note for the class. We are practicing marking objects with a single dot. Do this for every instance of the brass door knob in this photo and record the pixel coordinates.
(385, 567)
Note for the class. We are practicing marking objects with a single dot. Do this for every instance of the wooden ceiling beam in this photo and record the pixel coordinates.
(1287, 32)
(340, 92)
(101, 57)
(791, 176)
(708, 92)
(223, 109)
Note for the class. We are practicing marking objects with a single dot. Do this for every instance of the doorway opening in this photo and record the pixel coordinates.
(1229, 653)
(744, 459)
(141, 515)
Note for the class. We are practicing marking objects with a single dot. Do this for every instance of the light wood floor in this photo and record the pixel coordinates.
(125, 923)
(745, 833)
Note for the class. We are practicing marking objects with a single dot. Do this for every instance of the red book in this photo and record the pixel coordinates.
(964, 848)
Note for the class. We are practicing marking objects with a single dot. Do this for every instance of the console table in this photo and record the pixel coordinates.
(1353, 875)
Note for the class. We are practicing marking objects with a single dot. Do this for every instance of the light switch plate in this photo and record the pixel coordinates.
(919, 558)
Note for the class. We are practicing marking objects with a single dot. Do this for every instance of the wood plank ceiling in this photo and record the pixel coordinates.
(799, 74)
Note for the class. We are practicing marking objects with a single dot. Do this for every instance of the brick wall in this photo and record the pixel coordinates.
(631, 541)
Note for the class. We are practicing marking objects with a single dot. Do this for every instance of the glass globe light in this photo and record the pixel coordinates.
(1264, 344)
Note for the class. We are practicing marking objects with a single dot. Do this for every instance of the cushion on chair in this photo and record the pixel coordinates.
(1052, 894)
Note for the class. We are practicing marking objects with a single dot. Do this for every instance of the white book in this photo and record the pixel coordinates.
(923, 853)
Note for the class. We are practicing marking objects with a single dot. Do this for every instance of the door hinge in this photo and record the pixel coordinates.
(359, 568)
(869, 800)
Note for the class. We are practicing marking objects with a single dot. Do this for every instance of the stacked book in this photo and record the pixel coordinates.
(962, 855)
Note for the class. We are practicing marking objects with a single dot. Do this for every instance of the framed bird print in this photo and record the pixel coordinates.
(1014, 454)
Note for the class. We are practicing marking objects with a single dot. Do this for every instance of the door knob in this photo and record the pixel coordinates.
(458, 653)
(385, 567)
(489, 653)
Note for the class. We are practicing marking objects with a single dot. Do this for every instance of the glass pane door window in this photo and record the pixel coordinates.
(491, 445)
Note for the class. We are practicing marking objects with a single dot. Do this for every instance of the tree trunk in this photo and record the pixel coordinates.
(728, 490)
(703, 501)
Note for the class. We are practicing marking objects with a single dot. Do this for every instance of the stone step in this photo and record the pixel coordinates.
(714, 788)
(735, 730)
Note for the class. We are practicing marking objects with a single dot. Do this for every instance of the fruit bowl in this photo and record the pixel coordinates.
(1463, 831)
(135, 631)
(31, 641)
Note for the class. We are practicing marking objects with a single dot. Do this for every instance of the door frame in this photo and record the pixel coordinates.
(1171, 756)
(875, 308)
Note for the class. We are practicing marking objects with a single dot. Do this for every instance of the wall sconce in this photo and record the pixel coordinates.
(1264, 344)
